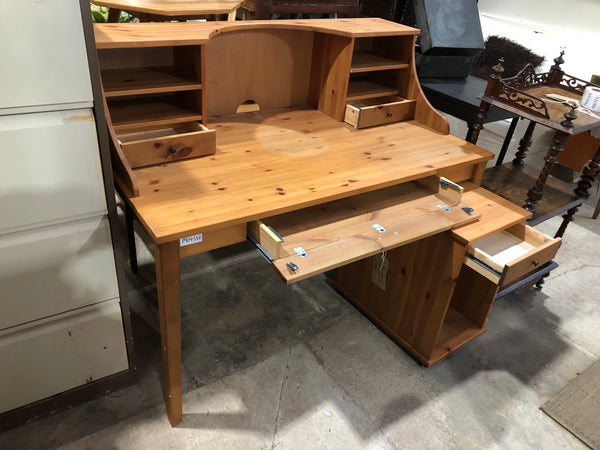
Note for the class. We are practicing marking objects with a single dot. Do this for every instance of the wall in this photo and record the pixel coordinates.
(545, 26)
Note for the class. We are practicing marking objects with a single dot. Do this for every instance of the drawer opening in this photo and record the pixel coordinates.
(511, 254)
(310, 241)
(383, 109)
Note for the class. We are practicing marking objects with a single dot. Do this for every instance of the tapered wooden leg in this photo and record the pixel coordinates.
(169, 310)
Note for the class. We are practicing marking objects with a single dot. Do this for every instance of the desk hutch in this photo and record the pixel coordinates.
(226, 129)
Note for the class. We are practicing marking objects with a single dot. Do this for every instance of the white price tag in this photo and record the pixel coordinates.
(190, 240)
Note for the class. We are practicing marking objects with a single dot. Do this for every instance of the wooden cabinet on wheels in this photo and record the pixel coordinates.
(390, 199)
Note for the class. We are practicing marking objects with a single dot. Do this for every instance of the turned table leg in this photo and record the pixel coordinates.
(524, 145)
(588, 174)
(535, 194)
(169, 311)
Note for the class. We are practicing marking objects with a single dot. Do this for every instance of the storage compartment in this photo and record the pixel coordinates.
(407, 292)
(49, 356)
(147, 146)
(379, 67)
(379, 111)
(506, 256)
(310, 241)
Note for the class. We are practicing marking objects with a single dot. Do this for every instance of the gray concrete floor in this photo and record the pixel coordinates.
(270, 366)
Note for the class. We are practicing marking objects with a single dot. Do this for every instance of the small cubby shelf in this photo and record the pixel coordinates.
(146, 80)
(370, 62)
(362, 89)
(131, 113)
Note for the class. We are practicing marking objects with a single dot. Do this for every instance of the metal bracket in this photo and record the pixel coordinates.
(378, 227)
(260, 249)
(301, 252)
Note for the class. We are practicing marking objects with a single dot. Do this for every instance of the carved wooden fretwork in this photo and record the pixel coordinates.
(573, 84)
(526, 78)
(522, 100)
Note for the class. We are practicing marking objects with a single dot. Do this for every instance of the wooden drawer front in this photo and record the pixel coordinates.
(379, 111)
(54, 269)
(167, 144)
(340, 232)
(50, 169)
(53, 355)
(506, 256)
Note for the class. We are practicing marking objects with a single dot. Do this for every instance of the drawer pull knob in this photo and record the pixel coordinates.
(389, 114)
(293, 267)
(173, 150)
(535, 263)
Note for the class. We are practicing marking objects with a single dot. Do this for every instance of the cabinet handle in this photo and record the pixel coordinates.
(389, 114)
(535, 263)
(173, 150)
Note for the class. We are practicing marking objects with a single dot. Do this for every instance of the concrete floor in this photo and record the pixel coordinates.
(270, 366)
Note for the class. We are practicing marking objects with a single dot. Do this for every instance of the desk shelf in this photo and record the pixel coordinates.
(150, 80)
(129, 114)
(363, 89)
(369, 62)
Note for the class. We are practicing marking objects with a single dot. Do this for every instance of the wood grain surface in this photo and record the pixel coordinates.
(269, 163)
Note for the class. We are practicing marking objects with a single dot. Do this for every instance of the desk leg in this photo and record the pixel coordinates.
(133, 264)
(169, 310)
(507, 139)
(535, 194)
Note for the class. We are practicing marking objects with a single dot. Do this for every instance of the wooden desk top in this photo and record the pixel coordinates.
(157, 34)
(174, 7)
(272, 162)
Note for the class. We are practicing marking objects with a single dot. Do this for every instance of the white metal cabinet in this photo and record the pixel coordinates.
(61, 324)
(50, 169)
(50, 270)
(49, 356)
(44, 61)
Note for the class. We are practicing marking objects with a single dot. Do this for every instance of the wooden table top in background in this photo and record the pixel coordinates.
(174, 7)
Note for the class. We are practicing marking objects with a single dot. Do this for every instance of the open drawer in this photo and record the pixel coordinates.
(379, 111)
(310, 241)
(511, 254)
(166, 143)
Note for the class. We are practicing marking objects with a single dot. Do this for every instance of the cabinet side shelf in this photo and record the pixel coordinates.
(456, 331)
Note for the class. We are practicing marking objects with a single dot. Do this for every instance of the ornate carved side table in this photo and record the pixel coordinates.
(550, 99)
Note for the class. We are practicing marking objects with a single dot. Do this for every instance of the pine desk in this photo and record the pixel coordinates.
(312, 191)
